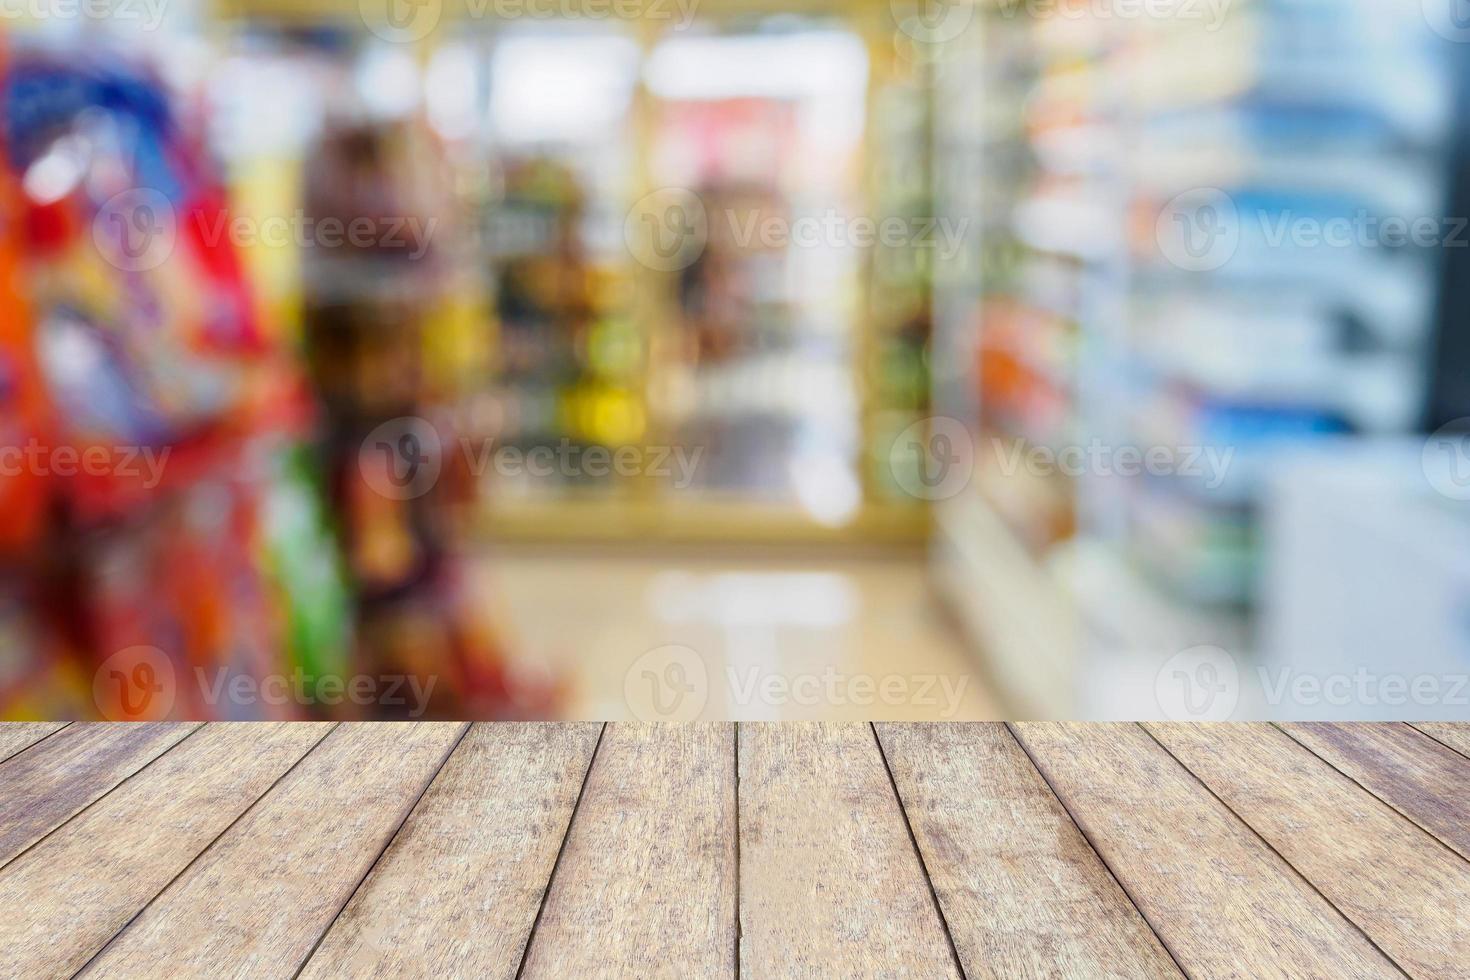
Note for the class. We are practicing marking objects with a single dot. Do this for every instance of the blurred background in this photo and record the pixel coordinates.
(729, 359)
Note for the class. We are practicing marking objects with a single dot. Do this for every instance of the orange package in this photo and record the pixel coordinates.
(23, 411)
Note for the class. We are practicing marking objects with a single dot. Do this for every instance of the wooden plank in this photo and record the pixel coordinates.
(830, 884)
(17, 736)
(1223, 903)
(67, 896)
(458, 890)
(42, 789)
(646, 882)
(1425, 781)
(1022, 890)
(1454, 734)
(258, 900)
(1404, 889)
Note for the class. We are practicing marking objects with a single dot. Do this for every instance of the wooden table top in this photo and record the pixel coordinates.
(583, 850)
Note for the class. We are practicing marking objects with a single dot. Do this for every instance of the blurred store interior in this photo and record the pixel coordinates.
(727, 359)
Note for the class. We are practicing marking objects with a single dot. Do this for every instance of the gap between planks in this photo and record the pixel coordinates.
(9, 749)
(21, 757)
(1092, 845)
(560, 850)
(1274, 850)
(908, 825)
(1409, 730)
(739, 926)
(387, 843)
(207, 848)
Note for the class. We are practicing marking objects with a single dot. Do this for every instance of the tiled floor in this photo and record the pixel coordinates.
(588, 850)
(771, 638)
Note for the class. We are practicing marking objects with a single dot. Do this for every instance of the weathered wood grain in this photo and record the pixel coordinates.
(457, 891)
(1219, 898)
(68, 895)
(360, 850)
(1425, 781)
(646, 884)
(257, 901)
(830, 884)
(1398, 884)
(17, 736)
(42, 788)
(1454, 734)
(1023, 892)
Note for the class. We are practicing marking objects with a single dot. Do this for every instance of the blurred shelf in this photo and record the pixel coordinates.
(1012, 606)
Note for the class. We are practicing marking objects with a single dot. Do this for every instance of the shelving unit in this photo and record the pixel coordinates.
(626, 360)
(1090, 319)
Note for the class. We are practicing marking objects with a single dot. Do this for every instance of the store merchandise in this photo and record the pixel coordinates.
(380, 322)
(1299, 118)
(766, 125)
(571, 361)
(1180, 256)
(900, 300)
(188, 511)
(148, 462)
